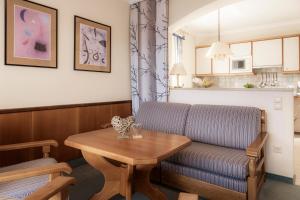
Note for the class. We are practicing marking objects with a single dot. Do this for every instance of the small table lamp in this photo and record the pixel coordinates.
(178, 69)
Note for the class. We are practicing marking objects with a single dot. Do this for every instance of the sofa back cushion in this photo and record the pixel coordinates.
(228, 126)
(164, 117)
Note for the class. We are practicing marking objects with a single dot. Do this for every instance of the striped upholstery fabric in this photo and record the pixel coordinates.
(220, 160)
(7, 198)
(165, 117)
(228, 126)
(20, 189)
(216, 179)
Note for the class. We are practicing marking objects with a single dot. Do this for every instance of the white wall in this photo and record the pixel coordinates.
(179, 9)
(280, 123)
(183, 11)
(258, 32)
(26, 87)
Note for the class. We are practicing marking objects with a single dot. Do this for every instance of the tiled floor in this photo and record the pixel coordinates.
(90, 181)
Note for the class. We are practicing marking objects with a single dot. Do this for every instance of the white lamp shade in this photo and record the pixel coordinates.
(219, 51)
(178, 69)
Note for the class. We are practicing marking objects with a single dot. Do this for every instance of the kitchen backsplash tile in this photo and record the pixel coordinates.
(285, 80)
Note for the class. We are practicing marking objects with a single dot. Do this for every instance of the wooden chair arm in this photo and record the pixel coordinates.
(255, 148)
(186, 196)
(59, 184)
(35, 171)
(27, 145)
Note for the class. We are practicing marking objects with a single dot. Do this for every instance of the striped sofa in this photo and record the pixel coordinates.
(217, 162)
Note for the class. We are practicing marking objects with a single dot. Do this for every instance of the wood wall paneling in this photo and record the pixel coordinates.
(87, 118)
(15, 128)
(57, 125)
(54, 122)
(122, 110)
(93, 117)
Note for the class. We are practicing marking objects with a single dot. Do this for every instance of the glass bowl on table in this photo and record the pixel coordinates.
(136, 131)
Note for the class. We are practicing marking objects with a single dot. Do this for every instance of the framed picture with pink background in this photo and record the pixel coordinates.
(31, 34)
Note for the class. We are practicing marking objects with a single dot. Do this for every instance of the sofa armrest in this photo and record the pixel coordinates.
(45, 144)
(58, 185)
(35, 171)
(255, 148)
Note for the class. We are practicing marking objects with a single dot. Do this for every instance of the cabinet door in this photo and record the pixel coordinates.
(267, 53)
(297, 114)
(203, 64)
(241, 54)
(291, 54)
(221, 66)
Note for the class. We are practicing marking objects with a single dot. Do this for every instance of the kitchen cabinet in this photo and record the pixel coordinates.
(281, 52)
(241, 60)
(220, 66)
(203, 64)
(297, 114)
(291, 54)
(267, 53)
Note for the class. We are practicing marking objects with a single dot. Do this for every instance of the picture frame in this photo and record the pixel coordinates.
(30, 34)
(92, 46)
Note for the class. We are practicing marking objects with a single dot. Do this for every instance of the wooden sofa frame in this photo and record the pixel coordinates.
(255, 180)
(56, 188)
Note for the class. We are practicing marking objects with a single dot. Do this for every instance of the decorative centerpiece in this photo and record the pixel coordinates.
(122, 125)
(203, 83)
(249, 85)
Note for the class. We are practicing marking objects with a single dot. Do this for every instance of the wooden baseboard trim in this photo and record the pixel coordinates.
(206, 190)
(55, 107)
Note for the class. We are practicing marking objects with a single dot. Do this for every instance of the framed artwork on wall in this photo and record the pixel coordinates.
(30, 35)
(92, 50)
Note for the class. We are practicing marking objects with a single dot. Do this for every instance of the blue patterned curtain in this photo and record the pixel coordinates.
(149, 51)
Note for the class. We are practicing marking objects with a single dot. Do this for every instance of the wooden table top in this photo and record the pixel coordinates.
(152, 148)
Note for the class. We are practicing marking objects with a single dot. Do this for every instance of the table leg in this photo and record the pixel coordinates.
(126, 182)
(143, 185)
(117, 178)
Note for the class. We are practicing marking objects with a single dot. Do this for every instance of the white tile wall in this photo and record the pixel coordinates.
(238, 81)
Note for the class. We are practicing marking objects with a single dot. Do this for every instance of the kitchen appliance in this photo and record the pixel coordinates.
(240, 64)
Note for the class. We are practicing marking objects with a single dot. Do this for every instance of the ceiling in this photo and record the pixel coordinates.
(247, 15)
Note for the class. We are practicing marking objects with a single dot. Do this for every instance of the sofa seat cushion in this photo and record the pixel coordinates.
(164, 117)
(219, 160)
(212, 178)
(20, 189)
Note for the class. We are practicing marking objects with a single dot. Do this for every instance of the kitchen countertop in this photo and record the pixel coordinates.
(239, 89)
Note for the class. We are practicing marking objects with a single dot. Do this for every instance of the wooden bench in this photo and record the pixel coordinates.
(186, 196)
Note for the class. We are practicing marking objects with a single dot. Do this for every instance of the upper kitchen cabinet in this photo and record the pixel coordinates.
(267, 53)
(220, 67)
(291, 54)
(241, 60)
(203, 64)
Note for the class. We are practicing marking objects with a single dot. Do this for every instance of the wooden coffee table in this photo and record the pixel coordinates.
(126, 163)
